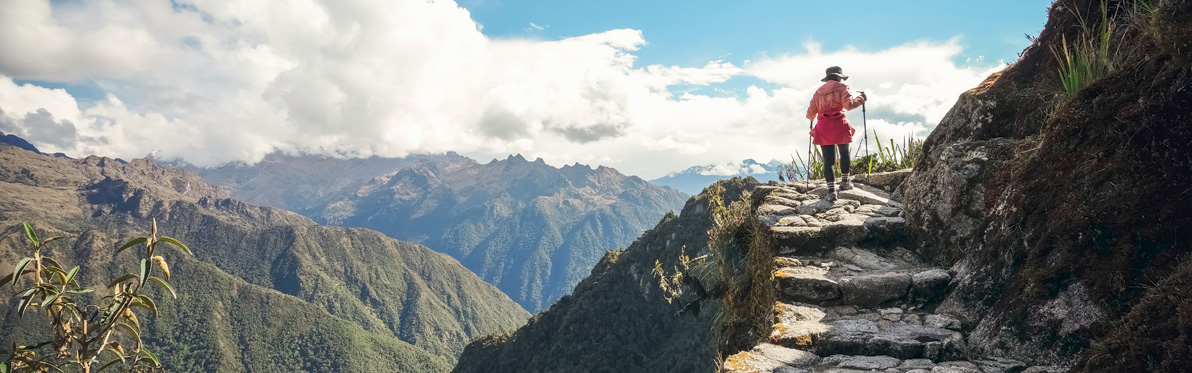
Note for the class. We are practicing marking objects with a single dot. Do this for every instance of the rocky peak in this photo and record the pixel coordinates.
(16, 141)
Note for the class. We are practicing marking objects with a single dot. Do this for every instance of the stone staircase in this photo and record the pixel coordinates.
(850, 299)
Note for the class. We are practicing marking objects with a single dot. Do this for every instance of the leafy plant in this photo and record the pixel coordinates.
(744, 259)
(83, 333)
(890, 157)
(672, 284)
(1088, 58)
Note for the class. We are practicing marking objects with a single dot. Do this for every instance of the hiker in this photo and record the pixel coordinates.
(832, 131)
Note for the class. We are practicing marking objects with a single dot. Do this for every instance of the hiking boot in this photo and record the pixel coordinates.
(846, 185)
(830, 197)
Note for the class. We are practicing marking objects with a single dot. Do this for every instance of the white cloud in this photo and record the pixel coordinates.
(224, 80)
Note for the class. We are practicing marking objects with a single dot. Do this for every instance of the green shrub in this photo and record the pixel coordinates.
(84, 332)
(1088, 58)
(890, 157)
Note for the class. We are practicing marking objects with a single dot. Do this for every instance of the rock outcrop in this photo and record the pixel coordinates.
(1065, 218)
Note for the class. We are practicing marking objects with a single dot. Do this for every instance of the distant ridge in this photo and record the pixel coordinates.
(529, 228)
(17, 142)
(695, 178)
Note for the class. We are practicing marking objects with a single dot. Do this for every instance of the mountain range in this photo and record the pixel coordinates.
(267, 290)
(529, 228)
(695, 178)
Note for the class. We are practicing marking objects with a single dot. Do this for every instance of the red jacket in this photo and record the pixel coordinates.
(828, 105)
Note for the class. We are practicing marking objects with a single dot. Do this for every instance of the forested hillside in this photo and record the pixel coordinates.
(267, 290)
(531, 229)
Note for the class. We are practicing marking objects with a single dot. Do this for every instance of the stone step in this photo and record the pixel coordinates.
(802, 222)
(891, 332)
(859, 277)
(767, 357)
(807, 240)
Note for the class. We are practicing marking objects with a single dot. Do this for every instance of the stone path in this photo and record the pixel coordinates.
(850, 299)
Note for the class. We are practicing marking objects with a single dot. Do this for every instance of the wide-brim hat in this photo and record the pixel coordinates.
(834, 72)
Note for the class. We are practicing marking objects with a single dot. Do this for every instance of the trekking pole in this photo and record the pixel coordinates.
(807, 167)
(865, 138)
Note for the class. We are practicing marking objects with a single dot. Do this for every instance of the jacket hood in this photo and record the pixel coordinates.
(831, 86)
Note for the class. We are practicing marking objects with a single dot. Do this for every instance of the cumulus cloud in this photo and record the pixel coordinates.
(213, 81)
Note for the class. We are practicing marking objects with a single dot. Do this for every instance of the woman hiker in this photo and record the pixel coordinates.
(832, 131)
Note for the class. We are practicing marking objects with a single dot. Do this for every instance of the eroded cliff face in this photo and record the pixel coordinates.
(1067, 220)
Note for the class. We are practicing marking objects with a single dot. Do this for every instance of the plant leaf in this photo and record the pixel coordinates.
(126, 277)
(176, 243)
(131, 244)
(165, 285)
(81, 291)
(16, 272)
(105, 366)
(136, 335)
(51, 262)
(144, 301)
(32, 235)
(48, 240)
(24, 303)
(70, 276)
(149, 355)
(144, 272)
(115, 349)
(45, 303)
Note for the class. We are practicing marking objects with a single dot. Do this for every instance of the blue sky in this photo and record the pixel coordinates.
(647, 87)
(694, 32)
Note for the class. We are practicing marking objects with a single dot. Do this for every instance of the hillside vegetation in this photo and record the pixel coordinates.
(618, 319)
(531, 229)
(267, 290)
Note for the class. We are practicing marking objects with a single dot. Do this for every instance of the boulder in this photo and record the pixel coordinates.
(806, 284)
(814, 207)
(862, 362)
(1045, 369)
(942, 322)
(871, 290)
(956, 367)
(885, 180)
(792, 221)
(862, 258)
(930, 285)
(800, 240)
(775, 210)
(798, 325)
(846, 232)
(911, 364)
(1000, 365)
(864, 197)
(899, 340)
(886, 230)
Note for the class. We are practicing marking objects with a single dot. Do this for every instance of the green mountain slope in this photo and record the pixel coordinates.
(275, 285)
(617, 320)
(530, 229)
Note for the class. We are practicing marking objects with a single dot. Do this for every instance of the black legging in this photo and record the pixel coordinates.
(830, 160)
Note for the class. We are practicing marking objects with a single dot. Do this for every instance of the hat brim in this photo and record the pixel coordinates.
(841, 76)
